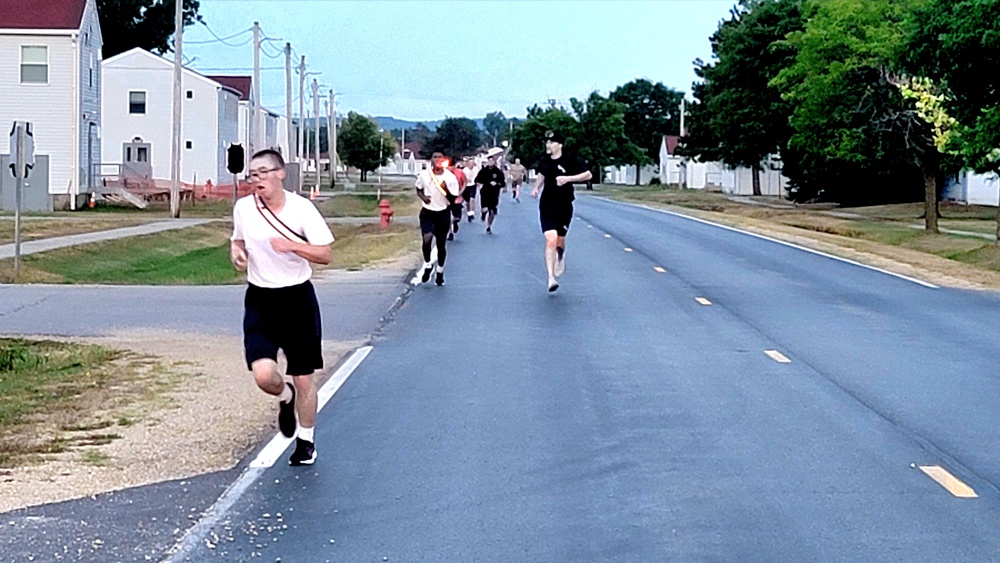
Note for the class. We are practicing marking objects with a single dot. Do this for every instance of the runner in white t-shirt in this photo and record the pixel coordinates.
(438, 189)
(277, 236)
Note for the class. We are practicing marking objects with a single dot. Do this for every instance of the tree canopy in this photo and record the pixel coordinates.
(360, 144)
(455, 137)
(126, 24)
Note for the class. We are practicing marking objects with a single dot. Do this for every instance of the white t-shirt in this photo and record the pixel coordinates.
(268, 268)
(431, 189)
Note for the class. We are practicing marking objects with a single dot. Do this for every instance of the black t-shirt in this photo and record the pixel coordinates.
(550, 168)
(490, 177)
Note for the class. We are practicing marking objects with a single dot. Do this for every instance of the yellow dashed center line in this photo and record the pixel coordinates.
(951, 483)
(659, 269)
(702, 300)
(778, 356)
(628, 249)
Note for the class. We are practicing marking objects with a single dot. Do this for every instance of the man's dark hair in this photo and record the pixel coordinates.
(273, 156)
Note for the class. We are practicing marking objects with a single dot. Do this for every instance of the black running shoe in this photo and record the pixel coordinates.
(286, 415)
(440, 278)
(451, 236)
(304, 454)
(489, 230)
(471, 217)
(426, 277)
(455, 225)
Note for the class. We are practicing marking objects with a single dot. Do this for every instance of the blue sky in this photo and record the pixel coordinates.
(424, 60)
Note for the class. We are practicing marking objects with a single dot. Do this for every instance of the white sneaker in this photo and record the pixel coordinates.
(553, 285)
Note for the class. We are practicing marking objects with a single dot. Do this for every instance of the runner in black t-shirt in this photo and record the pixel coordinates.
(556, 174)
(490, 180)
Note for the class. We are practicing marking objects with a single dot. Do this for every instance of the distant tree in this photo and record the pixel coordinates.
(529, 137)
(419, 134)
(956, 44)
(739, 117)
(455, 137)
(359, 146)
(126, 24)
(603, 139)
(651, 111)
(494, 124)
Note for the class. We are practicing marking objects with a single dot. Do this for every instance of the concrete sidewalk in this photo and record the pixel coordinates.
(43, 245)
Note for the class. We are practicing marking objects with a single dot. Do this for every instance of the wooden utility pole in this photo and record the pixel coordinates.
(334, 155)
(315, 92)
(330, 126)
(255, 96)
(288, 101)
(175, 161)
(301, 151)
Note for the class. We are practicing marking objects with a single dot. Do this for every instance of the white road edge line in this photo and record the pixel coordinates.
(779, 241)
(259, 465)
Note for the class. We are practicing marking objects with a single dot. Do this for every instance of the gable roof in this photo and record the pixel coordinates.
(671, 142)
(50, 14)
(112, 63)
(241, 84)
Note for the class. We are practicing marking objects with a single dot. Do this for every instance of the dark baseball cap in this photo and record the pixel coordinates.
(555, 137)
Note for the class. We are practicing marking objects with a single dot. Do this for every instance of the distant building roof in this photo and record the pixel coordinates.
(672, 141)
(414, 147)
(50, 14)
(241, 84)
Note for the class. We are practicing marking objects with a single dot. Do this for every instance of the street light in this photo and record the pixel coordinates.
(381, 142)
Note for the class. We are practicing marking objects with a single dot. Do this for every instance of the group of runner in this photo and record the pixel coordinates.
(278, 235)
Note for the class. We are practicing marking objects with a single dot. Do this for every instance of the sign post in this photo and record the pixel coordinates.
(22, 159)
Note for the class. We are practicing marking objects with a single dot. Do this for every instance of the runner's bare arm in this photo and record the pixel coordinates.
(238, 254)
(539, 180)
(581, 177)
(317, 254)
(423, 197)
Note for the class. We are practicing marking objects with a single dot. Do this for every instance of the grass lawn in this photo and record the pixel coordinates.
(889, 225)
(354, 205)
(60, 397)
(192, 256)
(39, 228)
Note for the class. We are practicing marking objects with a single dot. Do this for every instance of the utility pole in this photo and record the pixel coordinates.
(330, 126)
(334, 155)
(255, 96)
(402, 145)
(315, 90)
(301, 152)
(175, 163)
(288, 100)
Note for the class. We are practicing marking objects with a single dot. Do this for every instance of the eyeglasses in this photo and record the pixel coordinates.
(260, 174)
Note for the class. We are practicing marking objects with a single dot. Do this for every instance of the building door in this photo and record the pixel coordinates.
(137, 160)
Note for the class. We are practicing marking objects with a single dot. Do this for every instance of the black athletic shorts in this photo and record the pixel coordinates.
(437, 223)
(489, 198)
(469, 192)
(556, 218)
(285, 318)
(456, 211)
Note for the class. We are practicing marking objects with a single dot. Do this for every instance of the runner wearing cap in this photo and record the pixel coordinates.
(557, 172)
(437, 188)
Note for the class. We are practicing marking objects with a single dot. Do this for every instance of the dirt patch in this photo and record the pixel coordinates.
(209, 420)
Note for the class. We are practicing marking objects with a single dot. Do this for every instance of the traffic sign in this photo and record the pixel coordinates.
(22, 149)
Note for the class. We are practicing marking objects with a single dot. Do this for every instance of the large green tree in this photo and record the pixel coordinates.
(362, 146)
(126, 24)
(650, 112)
(956, 44)
(529, 136)
(847, 106)
(739, 117)
(455, 137)
(494, 126)
(603, 138)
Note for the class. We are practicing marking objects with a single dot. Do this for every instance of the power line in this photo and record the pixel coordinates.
(223, 40)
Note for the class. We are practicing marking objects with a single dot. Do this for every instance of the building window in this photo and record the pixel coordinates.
(190, 94)
(188, 145)
(137, 102)
(142, 154)
(34, 64)
(91, 70)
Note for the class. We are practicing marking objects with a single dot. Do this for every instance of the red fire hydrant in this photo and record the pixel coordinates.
(384, 213)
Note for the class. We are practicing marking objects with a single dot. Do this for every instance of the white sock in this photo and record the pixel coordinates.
(286, 393)
(440, 268)
(428, 265)
(306, 433)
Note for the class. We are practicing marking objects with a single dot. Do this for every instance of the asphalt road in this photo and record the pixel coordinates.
(620, 419)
